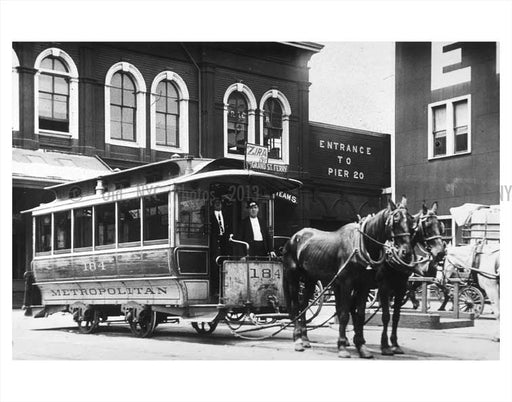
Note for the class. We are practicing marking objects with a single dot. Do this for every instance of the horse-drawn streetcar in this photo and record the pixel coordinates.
(136, 244)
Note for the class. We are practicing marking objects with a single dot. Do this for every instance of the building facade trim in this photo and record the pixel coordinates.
(251, 118)
(287, 111)
(184, 98)
(73, 91)
(140, 122)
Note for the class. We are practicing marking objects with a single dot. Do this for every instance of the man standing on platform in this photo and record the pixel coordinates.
(255, 232)
(219, 242)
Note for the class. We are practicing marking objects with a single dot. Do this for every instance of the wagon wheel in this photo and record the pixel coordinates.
(205, 328)
(90, 321)
(471, 300)
(372, 298)
(145, 324)
(313, 311)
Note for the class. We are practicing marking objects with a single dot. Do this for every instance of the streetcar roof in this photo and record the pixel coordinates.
(185, 171)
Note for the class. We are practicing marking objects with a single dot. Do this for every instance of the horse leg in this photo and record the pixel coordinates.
(384, 305)
(309, 291)
(491, 288)
(358, 317)
(342, 297)
(412, 295)
(291, 293)
(446, 297)
(399, 294)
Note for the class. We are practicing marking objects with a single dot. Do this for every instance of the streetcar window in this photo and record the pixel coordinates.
(43, 233)
(156, 216)
(191, 220)
(62, 230)
(83, 227)
(129, 220)
(105, 224)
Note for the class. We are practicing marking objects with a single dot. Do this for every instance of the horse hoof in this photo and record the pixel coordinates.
(386, 351)
(397, 350)
(441, 309)
(306, 343)
(343, 353)
(496, 339)
(364, 353)
(299, 347)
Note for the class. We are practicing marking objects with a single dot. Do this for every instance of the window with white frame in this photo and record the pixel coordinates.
(274, 125)
(123, 107)
(449, 127)
(56, 94)
(239, 119)
(15, 92)
(125, 112)
(169, 113)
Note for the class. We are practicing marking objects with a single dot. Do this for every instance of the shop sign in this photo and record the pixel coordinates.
(351, 157)
(256, 153)
(283, 195)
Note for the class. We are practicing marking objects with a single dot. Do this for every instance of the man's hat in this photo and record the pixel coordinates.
(252, 204)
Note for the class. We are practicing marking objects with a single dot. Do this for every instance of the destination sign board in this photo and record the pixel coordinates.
(350, 157)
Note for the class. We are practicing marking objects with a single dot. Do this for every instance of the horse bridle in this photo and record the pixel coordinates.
(388, 250)
(390, 219)
(420, 229)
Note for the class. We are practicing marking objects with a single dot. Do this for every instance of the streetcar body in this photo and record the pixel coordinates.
(139, 240)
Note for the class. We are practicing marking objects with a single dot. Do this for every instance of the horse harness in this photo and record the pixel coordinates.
(388, 248)
(420, 229)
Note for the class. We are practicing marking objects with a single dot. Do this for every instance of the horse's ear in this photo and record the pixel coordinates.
(403, 202)
(434, 207)
(424, 208)
(391, 205)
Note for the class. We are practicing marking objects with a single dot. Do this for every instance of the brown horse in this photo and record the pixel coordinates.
(392, 278)
(312, 255)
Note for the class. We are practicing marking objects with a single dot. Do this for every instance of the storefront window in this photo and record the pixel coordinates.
(156, 217)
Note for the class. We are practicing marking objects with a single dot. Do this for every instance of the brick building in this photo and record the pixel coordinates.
(85, 108)
(447, 123)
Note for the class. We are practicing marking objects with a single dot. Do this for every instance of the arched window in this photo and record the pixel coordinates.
(239, 119)
(273, 128)
(125, 113)
(237, 123)
(123, 107)
(56, 93)
(274, 125)
(15, 92)
(169, 113)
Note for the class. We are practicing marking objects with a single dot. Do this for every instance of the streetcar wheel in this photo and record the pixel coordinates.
(145, 325)
(471, 300)
(313, 311)
(204, 328)
(90, 321)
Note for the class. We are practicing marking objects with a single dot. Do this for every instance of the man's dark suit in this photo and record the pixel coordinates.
(219, 245)
(246, 234)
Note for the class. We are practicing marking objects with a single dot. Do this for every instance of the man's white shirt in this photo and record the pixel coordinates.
(256, 229)
(219, 217)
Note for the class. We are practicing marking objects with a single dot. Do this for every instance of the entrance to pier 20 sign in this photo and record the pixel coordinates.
(351, 157)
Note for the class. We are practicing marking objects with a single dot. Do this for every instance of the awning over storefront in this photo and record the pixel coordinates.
(41, 168)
